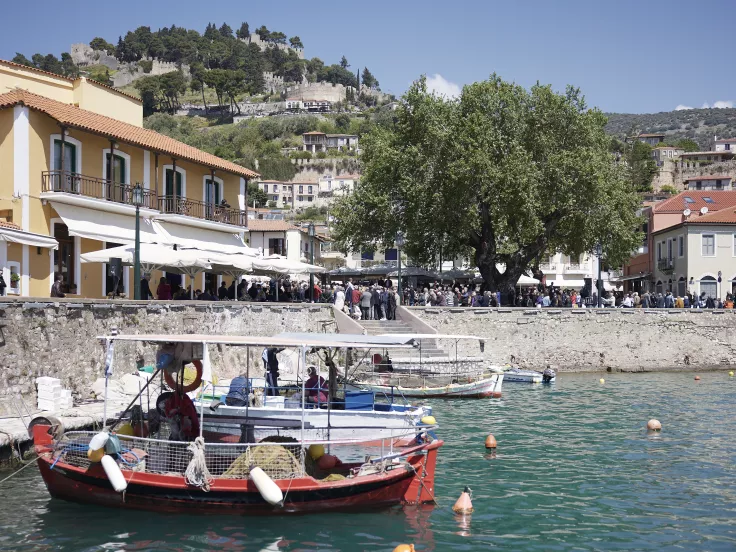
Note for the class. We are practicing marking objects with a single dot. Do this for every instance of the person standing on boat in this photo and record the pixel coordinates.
(271, 364)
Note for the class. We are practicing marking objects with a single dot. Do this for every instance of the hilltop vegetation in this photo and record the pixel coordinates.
(699, 125)
(220, 59)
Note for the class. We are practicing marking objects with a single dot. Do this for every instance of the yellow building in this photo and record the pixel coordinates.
(62, 193)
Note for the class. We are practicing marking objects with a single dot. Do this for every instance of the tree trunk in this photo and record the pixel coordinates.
(204, 101)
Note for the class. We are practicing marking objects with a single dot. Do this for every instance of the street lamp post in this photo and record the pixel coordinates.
(311, 249)
(599, 284)
(399, 245)
(137, 201)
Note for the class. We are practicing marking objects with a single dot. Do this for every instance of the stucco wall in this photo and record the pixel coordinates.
(59, 338)
(592, 339)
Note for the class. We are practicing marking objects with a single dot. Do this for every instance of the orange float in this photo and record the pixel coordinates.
(404, 548)
(491, 442)
(190, 387)
(463, 504)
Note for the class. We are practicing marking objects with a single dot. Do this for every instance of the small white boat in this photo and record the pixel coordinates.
(484, 387)
(363, 419)
(519, 375)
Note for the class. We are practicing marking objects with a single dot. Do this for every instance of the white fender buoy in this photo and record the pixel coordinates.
(99, 441)
(112, 470)
(266, 486)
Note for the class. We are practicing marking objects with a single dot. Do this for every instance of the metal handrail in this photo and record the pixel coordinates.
(99, 188)
(173, 204)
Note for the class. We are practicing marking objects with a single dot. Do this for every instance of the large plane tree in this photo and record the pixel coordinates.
(504, 175)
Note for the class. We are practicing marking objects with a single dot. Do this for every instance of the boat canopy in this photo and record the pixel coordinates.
(352, 341)
(422, 337)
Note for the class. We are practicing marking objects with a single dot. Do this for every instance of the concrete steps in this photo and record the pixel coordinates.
(430, 350)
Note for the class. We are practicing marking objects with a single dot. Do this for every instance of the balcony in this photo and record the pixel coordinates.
(576, 268)
(666, 266)
(97, 188)
(547, 268)
(65, 182)
(175, 205)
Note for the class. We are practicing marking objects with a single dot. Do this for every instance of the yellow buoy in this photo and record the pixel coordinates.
(654, 425)
(404, 548)
(125, 429)
(602, 380)
(731, 373)
(95, 455)
(429, 420)
(316, 451)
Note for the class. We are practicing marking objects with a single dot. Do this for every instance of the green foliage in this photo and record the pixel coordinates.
(368, 79)
(98, 43)
(687, 144)
(50, 63)
(641, 166)
(243, 31)
(667, 189)
(99, 73)
(161, 92)
(342, 122)
(296, 42)
(310, 213)
(272, 204)
(321, 155)
(505, 174)
(256, 195)
(344, 62)
(300, 154)
(277, 167)
(146, 65)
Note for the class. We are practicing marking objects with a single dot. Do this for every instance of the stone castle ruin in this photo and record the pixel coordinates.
(262, 44)
(126, 72)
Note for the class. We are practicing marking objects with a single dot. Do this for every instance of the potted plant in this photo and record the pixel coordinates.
(14, 280)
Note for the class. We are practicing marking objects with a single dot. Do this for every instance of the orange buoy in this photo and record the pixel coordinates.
(654, 425)
(463, 504)
(697, 378)
(404, 548)
(491, 441)
(327, 462)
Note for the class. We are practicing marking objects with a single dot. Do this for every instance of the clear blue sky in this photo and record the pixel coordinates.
(627, 56)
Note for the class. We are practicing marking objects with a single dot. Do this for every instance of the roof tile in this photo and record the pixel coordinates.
(269, 225)
(130, 134)
(677, 204)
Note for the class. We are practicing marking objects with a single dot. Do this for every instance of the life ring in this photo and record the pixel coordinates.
(186, 388)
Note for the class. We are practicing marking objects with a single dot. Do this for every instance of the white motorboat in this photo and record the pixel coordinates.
(519, 375)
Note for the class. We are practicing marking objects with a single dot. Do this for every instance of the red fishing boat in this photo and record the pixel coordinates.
(273, 476)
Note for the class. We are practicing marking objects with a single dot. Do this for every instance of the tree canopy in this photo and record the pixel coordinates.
(505, 175)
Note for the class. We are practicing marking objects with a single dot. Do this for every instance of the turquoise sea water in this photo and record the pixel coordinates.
(575, 470)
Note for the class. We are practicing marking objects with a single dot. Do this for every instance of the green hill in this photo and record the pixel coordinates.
(697, 124)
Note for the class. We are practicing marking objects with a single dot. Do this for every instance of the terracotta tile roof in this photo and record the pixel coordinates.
(62, 77)
(677, 204)
(710, 177)
(10, 225)
(724, 140)
(130, 134)
(269, 225)
(28, 68)
(724, 216)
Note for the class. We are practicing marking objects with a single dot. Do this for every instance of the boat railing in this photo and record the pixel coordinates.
(278, 457)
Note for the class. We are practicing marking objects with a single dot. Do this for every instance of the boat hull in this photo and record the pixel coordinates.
(526, 376)
(486, 387)
(410, 484)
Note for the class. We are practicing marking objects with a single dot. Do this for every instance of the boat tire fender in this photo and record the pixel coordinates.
(186, 388)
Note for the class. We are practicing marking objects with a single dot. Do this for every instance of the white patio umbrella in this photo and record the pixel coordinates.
(276, 264)
(525, 280)
(154, 256)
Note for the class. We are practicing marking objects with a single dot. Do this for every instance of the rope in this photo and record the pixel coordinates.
(17, 472)
(197, 473)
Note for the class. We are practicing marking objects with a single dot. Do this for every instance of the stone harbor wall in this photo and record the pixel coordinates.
(44, 338)
(592, 339)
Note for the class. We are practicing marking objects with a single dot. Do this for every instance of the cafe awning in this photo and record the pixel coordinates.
(14, 235)
(191, 237)
(105, 226)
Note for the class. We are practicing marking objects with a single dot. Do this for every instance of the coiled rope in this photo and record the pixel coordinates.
(197, 473)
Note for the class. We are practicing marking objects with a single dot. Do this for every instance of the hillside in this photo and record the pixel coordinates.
(697, 124)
